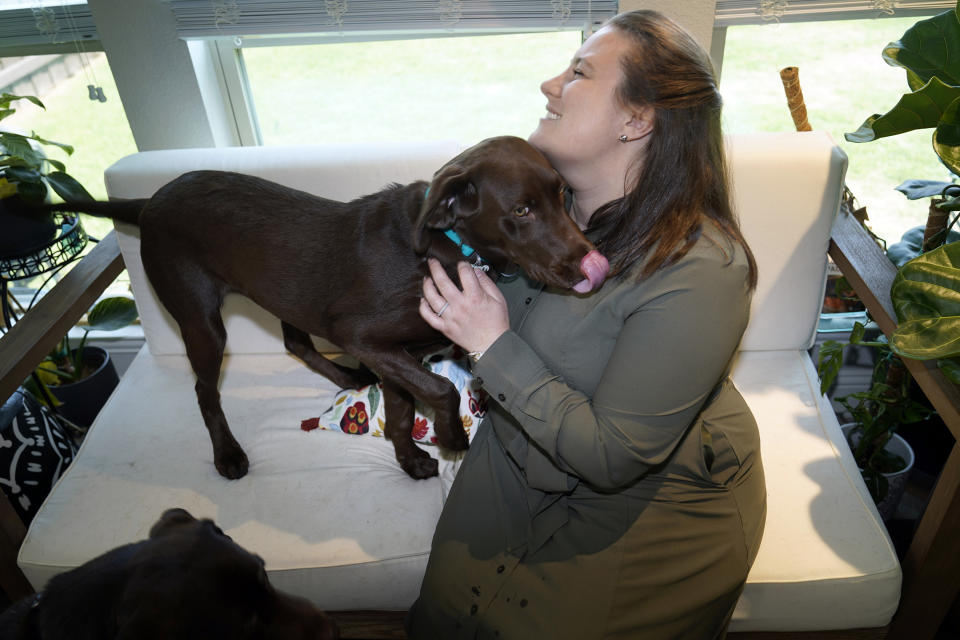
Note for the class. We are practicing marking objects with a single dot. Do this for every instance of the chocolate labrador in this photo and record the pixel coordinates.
(187, 581)
(351, 272)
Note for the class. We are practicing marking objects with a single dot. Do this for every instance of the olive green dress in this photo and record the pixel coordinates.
(615, 488)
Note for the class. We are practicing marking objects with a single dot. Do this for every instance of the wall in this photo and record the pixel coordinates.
(696, 16)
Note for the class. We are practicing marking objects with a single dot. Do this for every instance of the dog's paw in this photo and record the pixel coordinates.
(418, 466)
(232, 465)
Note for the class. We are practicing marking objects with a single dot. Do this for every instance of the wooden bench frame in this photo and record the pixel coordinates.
(931, 566)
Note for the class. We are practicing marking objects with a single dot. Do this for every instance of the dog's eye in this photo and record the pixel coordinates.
(521, 211)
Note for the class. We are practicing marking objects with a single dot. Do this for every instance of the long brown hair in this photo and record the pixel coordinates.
(684, 173)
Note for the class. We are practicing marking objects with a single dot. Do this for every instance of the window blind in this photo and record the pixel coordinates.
(733, 12)
(45, 24)
(214, 18)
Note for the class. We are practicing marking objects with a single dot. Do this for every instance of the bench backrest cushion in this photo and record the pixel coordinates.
(786, 190)
(339, 172)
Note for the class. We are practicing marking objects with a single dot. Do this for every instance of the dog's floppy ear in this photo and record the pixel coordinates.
(170, 520)
(451, 195)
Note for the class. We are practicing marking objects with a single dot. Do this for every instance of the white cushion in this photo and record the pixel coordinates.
(826, 561)
(786, 191)
(337, 520)
(313, 502)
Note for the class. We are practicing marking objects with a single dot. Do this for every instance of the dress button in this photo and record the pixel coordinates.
(501, 397)
(528, 301)
(473, 610)
(500, 569)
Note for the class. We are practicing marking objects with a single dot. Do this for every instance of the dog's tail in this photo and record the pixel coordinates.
(122, 210)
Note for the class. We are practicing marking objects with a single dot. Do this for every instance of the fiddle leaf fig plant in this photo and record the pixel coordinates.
(929, 52)
(926, 290)
(926, 299)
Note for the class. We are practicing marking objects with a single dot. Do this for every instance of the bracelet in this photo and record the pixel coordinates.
(474, 356)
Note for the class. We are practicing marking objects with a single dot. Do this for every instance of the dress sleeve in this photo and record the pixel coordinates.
(672, 350)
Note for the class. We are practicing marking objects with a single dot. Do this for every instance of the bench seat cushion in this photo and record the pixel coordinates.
(337, 521)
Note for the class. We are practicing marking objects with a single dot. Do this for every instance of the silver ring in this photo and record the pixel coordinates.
(443, 308)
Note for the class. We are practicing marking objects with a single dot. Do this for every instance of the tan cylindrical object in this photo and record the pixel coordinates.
(790, 76)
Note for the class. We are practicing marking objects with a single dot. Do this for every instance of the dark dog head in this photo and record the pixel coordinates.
(504, 199)
(190, 580)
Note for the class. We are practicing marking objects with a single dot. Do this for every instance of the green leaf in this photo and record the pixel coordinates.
(32, 191)
(111, 313)
(911, 244)
(829, 361)
(916, 189)
(929, 48)
(928, 339)
(7, 189)
(7, 98)
(18, 146)
(926, 299)
(373, 396)
(950, 367)
(877, 484)
(857, 333)
(953, 204)
(66, 147)
(922, 109)
(22, 174)
(67, 187)
(946, 137)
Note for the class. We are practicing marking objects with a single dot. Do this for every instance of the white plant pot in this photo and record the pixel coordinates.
(896, 481)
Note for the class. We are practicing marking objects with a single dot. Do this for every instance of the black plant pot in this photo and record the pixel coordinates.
(82, 400)
(23, 234)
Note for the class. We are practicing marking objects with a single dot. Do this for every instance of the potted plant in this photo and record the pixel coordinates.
(875, 414)
(28, 175)
(78, 380)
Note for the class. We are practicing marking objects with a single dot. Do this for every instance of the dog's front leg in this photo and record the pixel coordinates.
(398, 428)
(404, 372)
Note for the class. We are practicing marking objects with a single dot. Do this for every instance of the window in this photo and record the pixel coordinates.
(98, 131)
(844, 81)
(453, 88)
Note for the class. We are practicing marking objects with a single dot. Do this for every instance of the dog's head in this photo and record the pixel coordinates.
(191, 580)
(504, 199)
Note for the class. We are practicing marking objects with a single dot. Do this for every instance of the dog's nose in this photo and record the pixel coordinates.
(595, 268)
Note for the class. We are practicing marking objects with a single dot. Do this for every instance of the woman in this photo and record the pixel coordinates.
(615, 489)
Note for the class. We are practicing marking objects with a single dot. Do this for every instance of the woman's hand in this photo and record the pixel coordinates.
(472, 317)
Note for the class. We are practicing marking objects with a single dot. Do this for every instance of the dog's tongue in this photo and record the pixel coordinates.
(595, 267)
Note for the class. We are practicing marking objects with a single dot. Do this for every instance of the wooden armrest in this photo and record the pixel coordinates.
(931, 566)
(871, 274)
(37, 332)
(25, 346)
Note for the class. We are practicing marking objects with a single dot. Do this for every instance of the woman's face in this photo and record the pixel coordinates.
(584, 119)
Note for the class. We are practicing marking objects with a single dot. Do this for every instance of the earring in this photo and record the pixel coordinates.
(623, 138)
